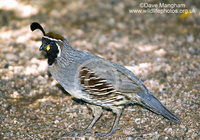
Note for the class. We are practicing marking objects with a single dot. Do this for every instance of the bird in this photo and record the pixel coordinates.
(101, 84)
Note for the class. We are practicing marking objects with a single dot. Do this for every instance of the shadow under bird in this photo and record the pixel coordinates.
(100, 83)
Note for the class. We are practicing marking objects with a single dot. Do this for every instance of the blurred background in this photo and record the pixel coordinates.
(162, 49)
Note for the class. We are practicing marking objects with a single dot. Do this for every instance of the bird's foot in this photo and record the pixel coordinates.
(113, 131)
(70, 133)
(81, 133)
(77, 133)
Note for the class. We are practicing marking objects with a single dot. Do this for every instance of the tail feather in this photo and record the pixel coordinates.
(152, 103)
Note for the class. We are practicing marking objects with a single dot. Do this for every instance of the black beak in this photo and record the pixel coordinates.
(42, 47)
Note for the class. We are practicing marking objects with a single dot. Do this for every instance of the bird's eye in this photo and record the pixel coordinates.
(52, 43)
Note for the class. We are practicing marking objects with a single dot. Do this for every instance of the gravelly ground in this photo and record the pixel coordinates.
(162, 49)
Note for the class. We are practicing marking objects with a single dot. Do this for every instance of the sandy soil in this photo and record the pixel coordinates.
(162, 49)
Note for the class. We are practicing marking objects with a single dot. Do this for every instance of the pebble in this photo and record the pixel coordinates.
(6, 66)
(12, 57)
(137, 120)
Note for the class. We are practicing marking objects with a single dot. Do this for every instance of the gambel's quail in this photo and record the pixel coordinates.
(100, 83)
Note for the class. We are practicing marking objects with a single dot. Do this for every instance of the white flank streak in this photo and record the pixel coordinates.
(111, 91)
(90, 72)
(86, 80)
(103, 81)
(99, 84)
(109, 87)
(94, 78)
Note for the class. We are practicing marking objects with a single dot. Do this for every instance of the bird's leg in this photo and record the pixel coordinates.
(115, 127)
(97, 113)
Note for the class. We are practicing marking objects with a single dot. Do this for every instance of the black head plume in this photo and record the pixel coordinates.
(36, 25)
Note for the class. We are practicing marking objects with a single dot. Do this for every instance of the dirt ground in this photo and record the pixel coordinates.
(162, 49)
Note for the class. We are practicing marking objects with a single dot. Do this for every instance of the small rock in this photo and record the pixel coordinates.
(190, 131)
(6, 66)
(160, 52)
(169, 130)
(11, 57)
(112, 21)
(14, 95)
(137, 120)
(182, 126)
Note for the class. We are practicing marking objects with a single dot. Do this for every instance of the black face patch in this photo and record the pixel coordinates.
(51, 49)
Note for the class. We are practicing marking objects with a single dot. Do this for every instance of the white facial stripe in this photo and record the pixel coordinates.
(53, 39)
(59, 50)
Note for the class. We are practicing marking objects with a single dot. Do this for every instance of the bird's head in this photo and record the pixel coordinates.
(52, 43)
